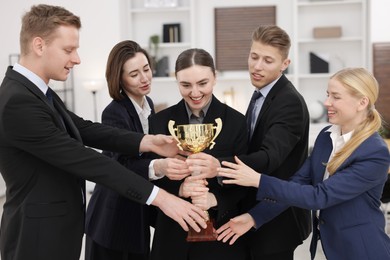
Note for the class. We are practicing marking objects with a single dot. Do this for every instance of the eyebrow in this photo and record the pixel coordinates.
(146, 65)
(199, 81)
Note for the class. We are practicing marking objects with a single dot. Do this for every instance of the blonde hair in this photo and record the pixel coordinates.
(42, 21)
(359, 83)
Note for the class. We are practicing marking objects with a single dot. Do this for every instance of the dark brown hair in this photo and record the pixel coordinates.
(191, 57)
(119, 55)
(42, 21)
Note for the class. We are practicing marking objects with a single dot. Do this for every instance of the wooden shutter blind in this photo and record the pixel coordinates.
(233, 33)
(381, 56)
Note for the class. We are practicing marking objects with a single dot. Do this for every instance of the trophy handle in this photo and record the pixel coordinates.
(218, 129)
(171, 123)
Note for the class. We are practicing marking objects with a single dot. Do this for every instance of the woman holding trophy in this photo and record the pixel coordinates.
(195, 116)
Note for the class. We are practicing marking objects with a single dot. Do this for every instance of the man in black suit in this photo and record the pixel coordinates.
(43, 158)
(278, 122)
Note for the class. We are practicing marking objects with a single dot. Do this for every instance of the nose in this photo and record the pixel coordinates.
(144, 77)
(327, 102)
(259, 64)
(76, 58)
(195, 90)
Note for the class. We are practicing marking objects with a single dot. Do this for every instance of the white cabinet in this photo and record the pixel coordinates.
(145, 21)
(348, 50)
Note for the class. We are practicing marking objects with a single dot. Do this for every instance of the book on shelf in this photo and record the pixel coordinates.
(319, 63)
(171, 32)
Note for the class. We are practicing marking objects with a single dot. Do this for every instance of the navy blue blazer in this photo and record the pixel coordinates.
(112, 220)
(350, 221)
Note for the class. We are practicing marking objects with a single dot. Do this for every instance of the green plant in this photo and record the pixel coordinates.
(154, 40)
(384, 132)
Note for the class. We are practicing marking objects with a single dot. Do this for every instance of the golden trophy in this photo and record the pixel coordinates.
(195, 138)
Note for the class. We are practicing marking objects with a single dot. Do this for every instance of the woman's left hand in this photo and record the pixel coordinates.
(239, 174)
(235, 228)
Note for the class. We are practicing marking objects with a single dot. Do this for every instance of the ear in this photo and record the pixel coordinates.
(285, 64)
(38, 45)
(363, 103)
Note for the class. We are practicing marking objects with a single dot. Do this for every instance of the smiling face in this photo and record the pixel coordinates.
(265, 64)
(58, 55)
(344, 109)
(137, 77)
(196, 85)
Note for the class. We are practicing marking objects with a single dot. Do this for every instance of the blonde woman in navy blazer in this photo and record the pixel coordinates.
(342, 184)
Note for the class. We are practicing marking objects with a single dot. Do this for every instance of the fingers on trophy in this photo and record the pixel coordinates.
(195, 138)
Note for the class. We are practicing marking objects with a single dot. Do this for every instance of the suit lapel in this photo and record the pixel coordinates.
(180, 114)
(216, 110)
(38, 93)
(325, 148)
(271, 95)
(128, 105)
(71, 127)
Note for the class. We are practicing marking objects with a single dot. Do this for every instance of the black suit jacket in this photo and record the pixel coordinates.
(44, 165)
(169, 239)
(112, 220)
(278, 147)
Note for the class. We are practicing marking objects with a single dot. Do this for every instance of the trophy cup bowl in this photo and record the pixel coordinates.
(195, 138)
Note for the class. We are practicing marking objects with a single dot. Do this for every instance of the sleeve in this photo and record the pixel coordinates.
(55, 147)
(117, 116)
(229, 196)
(268, 208)
(366, 168)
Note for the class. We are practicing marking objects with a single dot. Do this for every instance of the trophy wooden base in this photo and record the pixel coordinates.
(207, 234)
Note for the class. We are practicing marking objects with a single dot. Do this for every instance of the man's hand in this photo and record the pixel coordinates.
(163, 145)
(239, 174)
(235, 228)
(205, 200)
(173, 168)
(204, 164)
(180, 210)
(193, 187)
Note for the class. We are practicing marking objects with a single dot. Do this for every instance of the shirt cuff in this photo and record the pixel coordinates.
(152, 173)
(152, 195)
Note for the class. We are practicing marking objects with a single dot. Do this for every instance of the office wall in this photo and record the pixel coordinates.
(103, 27)
(100, 31)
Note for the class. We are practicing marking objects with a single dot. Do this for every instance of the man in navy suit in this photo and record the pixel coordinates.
(43, 158)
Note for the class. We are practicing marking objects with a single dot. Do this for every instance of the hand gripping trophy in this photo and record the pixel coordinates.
(195, 138)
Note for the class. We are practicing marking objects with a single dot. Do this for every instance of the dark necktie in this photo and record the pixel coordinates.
(49, 95)
(250, 113)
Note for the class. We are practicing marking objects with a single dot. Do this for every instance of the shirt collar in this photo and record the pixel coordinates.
(204, 109)
(34, 78)
(145, 110)
(265, 90)
(335, 132)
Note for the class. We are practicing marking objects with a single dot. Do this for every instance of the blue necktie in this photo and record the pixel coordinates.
(250, 113)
